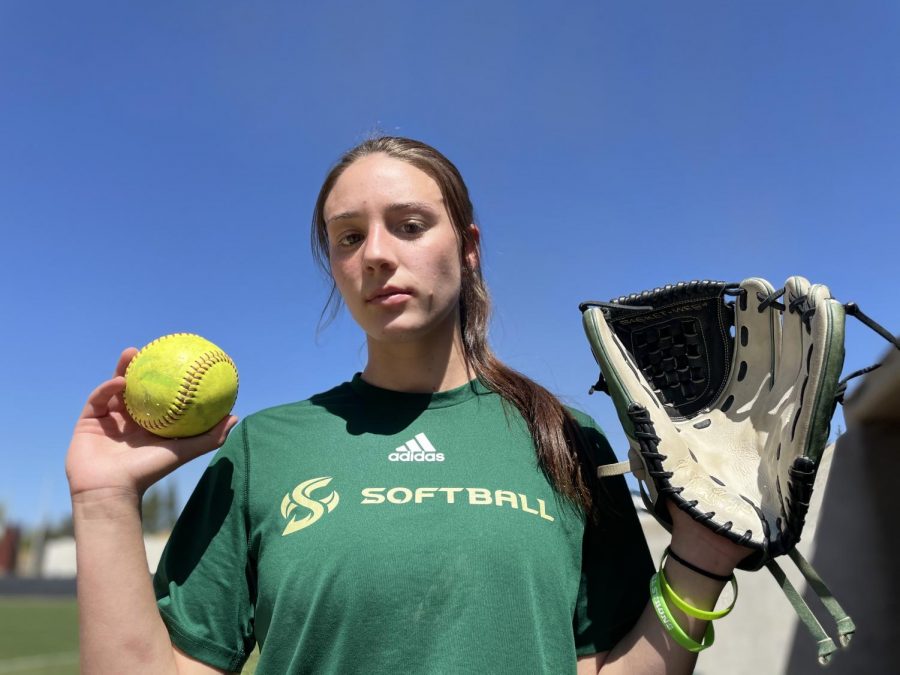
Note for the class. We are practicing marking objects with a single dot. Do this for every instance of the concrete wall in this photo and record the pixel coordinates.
(59, 555)
(858, 549)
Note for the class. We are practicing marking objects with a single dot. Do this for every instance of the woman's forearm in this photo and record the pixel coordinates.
(648, 647)
(120, 627)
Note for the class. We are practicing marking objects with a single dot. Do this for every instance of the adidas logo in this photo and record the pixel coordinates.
(419, 449)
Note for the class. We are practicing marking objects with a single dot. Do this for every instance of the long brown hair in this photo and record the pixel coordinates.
(558, 439)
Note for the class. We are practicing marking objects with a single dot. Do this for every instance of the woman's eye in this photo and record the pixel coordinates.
(349, 239)
(412, 227)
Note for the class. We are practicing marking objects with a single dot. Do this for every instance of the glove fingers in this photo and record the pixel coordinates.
(794, 346)
(812, 357)
(819, 321)
(757, 337)
(626, 383)
(794, 338)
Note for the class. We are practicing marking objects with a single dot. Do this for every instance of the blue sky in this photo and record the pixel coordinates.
(159, 164)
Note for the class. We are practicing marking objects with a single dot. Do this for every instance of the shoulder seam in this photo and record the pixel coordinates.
(245, 488)
(245, 437)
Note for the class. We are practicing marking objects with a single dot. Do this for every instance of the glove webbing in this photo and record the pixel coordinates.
(851, 308)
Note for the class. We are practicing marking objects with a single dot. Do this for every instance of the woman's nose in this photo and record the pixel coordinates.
(378, 249)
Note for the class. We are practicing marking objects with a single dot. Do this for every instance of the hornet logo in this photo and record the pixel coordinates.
(300, 496)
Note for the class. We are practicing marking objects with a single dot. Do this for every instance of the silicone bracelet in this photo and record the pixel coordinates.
(690, 610)
(672, 628)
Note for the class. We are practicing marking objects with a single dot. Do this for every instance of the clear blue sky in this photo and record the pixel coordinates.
(159, 163)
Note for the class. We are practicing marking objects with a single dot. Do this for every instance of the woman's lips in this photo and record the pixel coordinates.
(389, 296)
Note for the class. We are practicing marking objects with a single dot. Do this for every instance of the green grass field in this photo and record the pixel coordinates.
(40, 637)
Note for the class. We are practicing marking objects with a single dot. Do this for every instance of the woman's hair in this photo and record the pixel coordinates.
(561, 447)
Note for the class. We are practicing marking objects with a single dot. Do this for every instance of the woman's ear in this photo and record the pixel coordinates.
(472, 242)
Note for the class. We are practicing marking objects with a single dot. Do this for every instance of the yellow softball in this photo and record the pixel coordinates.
(180, 385)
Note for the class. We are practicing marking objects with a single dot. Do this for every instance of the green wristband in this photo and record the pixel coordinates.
(690, 610)
(672, 628)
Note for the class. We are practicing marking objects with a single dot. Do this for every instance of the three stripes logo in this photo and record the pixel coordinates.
(418, 449)
(301, 496)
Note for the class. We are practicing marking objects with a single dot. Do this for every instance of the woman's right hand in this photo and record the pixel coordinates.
(111, 456)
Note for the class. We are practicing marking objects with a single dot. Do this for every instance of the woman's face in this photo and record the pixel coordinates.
(393, 251)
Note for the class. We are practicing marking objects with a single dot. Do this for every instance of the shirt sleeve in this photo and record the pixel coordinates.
(616, 565)
(204, 581)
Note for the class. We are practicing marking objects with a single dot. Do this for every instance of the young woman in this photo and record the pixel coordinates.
(435, 514)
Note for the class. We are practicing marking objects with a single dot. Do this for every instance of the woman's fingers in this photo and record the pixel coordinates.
(108, 395)
(168, 454)
(194, 446)
(213, 438)
(99, 400)
(124, 360)
(229, 423)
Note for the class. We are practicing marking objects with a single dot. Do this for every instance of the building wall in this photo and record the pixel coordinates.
(59, 555)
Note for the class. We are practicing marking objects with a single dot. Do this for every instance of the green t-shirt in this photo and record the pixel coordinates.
(372, 531)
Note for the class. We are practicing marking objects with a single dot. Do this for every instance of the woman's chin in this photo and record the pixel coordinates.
(397, 332)
(403, 330)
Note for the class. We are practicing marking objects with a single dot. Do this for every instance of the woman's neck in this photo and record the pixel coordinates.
(419, 366)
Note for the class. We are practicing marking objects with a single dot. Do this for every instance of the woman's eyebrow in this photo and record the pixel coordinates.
(393, 208)
(412, 206)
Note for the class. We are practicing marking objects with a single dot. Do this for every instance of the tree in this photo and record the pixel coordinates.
(159, 509)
